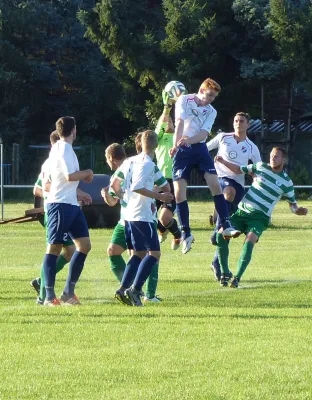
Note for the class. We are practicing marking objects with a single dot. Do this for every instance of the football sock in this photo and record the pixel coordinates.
(160, 227)
(118, 266)
(152, 281)
(223, 253)
(130, 271)
(221, 207)
(229, 206)
(184, 218)
(216, 259)
(74, 271)
(49, 268)
(244, 258)
(60, 263)
(174, 229)
(144, 270)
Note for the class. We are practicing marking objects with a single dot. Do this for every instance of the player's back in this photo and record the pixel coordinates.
(62, 162)
(139, 172)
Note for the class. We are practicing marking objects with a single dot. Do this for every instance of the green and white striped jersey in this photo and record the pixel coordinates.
(267, 189)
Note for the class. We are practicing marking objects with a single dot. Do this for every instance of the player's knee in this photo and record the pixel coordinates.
(155, 254)
(229, 194)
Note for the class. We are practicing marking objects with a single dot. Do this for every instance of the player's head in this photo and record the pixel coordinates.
(149, 141)
(208, 91)
(278, 158)
(66, 126)
(138, 142)
(170, 126)
(241, 122)
(115, 154)
(54, 137)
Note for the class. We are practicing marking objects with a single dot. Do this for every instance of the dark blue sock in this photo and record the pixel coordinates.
(49, 269)
(229, 206)
(221, 207)
(144, 270)
(74, 271)
(184, 218)
(130, 271)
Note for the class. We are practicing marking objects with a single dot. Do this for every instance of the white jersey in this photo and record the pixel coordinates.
(43, 177)
(139, 172)
(237, 153)
(62, 161)
(195, 117)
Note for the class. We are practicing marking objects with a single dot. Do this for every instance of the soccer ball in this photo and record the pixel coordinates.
(174, 90)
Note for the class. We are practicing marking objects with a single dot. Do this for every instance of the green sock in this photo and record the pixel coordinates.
(151, 282)
(118, 266)
(60, 263)
(244, 258)
(223, 253)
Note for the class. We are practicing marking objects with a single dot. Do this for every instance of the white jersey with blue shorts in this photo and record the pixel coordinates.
(63, 210)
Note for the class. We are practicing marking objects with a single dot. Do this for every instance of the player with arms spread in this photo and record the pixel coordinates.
(254, 211)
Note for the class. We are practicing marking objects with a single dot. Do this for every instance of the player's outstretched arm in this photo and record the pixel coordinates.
(298, 210)
(85, 175)
(232, 167)
(165, 197)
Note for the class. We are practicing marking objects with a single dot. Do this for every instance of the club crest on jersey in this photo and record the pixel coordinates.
(195, 112)
(232, 154)
(244, 149)
(278, 183)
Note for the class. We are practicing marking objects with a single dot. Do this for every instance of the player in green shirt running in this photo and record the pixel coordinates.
(165, 132)
(270, 183)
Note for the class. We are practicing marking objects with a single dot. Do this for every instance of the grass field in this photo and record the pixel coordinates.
(201, 342)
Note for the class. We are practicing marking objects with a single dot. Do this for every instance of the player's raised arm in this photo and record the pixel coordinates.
(232, 167)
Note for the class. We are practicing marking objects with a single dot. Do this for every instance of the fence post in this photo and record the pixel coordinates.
(15, 164)
(1, 179)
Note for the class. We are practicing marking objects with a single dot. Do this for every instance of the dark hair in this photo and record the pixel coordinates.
(65, 126)
(282, 150)
(54, 137)
(115, 151)
(243, 114)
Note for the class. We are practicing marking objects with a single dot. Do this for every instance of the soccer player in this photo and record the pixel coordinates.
(64, 214)
(194, 117)
(115, 156)
(68, 246)
(166, 221)
(138, 177)
(238, 149)
(254, 211)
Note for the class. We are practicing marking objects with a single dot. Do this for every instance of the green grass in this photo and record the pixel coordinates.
(201, 342)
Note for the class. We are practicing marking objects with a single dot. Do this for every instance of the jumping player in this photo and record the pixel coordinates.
(194, 117)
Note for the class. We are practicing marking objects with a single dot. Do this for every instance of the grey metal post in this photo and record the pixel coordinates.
(1, 178)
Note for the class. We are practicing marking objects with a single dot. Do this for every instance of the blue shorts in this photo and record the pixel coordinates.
(240, 190)
(189, 157)
(63, 220)
(141, 236)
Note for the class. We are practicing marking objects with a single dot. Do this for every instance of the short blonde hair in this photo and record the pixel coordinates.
(149, 140)
(115, 151)
(210, 84)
